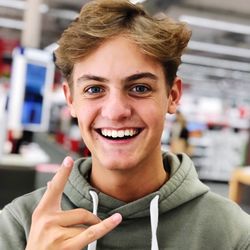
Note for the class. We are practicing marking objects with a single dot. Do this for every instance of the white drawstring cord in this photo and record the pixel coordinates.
(94, 196)
(154, 215)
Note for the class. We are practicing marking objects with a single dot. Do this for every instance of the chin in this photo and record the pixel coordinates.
(117, 163)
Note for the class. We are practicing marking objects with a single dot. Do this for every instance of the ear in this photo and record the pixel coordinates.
(69, 98)
(174, 96)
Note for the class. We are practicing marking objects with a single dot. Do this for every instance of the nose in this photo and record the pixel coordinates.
(116, 106)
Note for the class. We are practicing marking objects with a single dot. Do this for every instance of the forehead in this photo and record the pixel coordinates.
(117, 57)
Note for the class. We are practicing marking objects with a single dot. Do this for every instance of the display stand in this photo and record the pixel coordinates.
(31, 79)
(28, 108)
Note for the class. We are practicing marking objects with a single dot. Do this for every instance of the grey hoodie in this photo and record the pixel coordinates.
(182, 215)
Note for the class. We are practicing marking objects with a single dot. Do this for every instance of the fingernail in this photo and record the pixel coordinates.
(67, 162)
(117, 218)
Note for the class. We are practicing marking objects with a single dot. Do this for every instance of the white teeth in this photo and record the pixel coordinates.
(104, 132)
(109, 133)
(119, 133)
(114, 133)
(127, 132)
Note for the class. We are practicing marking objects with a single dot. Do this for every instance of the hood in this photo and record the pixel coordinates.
(182, 187)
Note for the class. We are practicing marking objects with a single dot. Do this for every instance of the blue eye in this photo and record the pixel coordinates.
(94, 90)
(140, 89)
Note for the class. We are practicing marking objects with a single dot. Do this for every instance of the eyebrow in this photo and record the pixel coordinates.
(131, 78)
(91, 77)
(139, 76)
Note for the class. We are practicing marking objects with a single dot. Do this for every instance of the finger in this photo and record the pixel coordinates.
(76, 217)
(95, 232)
(72, 232)
(53, 194)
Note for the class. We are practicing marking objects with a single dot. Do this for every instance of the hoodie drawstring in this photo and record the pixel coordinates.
(94, 196)
(154, 217)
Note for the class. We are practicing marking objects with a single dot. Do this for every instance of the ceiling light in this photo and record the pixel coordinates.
(137, 1)
(214, 62)
(201, 70)
(219, 49)
(21, 5)
(216, 24)
(63, 14)
(11, 23)
(15, 4)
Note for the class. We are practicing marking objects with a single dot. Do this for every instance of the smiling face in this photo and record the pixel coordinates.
(120, 99)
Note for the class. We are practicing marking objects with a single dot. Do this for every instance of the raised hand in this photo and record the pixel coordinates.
(52, 228)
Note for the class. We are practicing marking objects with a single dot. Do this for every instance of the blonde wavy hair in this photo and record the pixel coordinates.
(100, 20)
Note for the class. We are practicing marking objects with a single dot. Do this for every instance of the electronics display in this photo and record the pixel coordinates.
(32, 77)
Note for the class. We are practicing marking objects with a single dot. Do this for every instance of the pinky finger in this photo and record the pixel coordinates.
(95, 232)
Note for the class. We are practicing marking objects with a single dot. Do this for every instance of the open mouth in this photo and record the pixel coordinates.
(121, 134)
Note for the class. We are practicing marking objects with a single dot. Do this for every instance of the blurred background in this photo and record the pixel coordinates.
(212, 125)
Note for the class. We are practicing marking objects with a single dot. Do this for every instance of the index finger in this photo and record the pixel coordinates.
(95, 232)
(53, 194)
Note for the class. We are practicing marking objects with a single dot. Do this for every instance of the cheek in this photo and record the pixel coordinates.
(153, 115)
(84, 115)
(87, 114)
(158, 107)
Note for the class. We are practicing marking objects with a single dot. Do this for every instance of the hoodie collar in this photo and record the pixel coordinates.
(182, 187)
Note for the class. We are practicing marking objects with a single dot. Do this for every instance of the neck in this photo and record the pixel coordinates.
(129, 185)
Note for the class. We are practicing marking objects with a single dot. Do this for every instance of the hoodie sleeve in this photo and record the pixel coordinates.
(15, 220)
(244, 243)
(12, 233)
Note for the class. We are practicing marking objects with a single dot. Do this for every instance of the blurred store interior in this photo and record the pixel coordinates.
(36, 131)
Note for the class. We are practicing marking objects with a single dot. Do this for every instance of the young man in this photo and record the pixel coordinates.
(120, 65)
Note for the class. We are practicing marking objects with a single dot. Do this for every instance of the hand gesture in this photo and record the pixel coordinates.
(52, 228)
